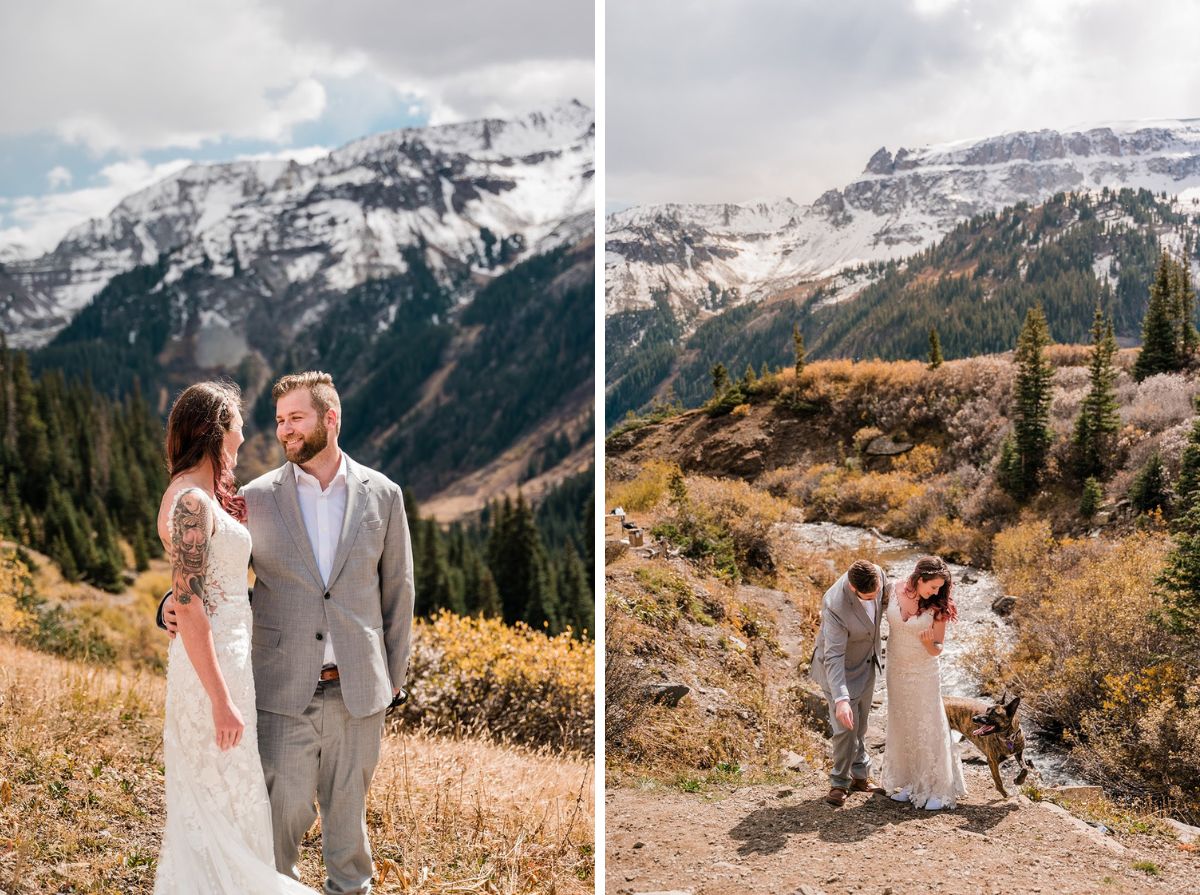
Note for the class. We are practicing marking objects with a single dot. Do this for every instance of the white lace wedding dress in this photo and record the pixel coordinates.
(218, 834)
(918, 752)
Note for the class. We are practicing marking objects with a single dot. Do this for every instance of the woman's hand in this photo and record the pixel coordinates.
(931, 638)
(229, 724)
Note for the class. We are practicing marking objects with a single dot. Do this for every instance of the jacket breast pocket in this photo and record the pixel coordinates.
(372, 524)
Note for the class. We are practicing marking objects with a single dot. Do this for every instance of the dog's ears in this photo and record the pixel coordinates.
(1011, 708)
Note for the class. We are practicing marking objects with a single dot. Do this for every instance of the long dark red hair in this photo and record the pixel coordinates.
(942, 601)
(196, 428)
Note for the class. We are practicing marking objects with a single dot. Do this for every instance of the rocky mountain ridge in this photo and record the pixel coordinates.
(707, 258)
(472, 198)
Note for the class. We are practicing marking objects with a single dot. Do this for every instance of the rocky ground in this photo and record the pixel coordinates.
(784, 839)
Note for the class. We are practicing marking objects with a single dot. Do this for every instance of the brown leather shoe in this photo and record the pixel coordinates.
(836, 797)
(864, 784)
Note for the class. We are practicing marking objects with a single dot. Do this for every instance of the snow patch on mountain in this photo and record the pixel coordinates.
(901, 204)
(334, 223)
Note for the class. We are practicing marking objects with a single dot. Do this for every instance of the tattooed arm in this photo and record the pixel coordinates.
(191, 541)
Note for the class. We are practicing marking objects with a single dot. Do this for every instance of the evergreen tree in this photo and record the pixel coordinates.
(798, 349)
(749, 377)
(1098, 420)
(1189, 338)
(1149, 489)
(1031, 411)
(1178, 584)
(935, 349)
(575, 593)
(1187, 486)
(1160, 328)
(720, 379)
(1093, 496)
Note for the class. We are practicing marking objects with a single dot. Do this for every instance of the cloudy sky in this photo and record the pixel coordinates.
(732, 100)
(104, 97)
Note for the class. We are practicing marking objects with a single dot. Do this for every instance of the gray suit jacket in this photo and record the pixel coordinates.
(367, 607)
(848, 646)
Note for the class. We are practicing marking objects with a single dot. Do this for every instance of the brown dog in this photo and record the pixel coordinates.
(992, 729)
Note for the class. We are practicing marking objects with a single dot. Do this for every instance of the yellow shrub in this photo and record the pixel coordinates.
(952, 539)
(1020, 556)
(919, 463)
(645, 490)
(470, 676)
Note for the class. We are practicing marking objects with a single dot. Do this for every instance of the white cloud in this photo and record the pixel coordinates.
(58, 176)
(467, 59)
(719, 100)
(37, 223)
(158, 73)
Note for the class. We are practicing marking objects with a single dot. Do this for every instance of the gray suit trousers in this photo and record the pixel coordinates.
(328, 751)
(850, 758)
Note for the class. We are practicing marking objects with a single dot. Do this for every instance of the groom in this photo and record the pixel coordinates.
(844, 663)
(333, 607)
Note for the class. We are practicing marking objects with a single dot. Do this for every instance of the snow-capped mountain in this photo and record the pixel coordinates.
(472, 198)
(707, 257)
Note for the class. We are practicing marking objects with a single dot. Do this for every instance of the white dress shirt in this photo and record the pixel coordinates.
(323, 512)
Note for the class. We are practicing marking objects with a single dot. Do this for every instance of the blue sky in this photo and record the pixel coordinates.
(112, 96)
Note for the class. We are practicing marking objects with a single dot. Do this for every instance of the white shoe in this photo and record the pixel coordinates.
(901, 796)
(934, 804)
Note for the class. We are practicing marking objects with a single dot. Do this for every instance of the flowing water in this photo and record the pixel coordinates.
(975, 590)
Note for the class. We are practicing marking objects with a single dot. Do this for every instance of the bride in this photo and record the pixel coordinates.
(218, 832)
(919, 763)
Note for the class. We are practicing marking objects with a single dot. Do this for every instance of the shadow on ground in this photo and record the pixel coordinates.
(766, 830)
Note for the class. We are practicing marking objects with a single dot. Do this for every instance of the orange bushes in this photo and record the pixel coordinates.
(482, 677)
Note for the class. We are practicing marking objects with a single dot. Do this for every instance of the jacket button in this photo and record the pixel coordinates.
(326, 595)
(320, 637)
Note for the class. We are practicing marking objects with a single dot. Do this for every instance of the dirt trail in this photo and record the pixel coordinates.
(784, 839)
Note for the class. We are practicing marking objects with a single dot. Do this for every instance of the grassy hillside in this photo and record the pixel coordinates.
(1091, 653)
(470, 794)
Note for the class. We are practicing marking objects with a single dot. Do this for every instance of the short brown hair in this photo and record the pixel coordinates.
(320, 388)
(863, 577)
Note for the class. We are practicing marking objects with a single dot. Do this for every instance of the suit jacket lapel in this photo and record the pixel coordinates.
(356, 503)
(289, 508)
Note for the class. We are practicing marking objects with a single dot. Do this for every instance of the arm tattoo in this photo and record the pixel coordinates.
(190, 543)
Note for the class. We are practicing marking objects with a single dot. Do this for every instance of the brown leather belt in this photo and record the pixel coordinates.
(329, 674)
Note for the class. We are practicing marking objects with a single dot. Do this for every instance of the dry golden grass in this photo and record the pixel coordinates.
(81, 796)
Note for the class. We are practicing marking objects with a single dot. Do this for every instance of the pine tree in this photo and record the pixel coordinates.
(1031, 411)
(1189, 338)
(1149, 489)
(935, 349)
(1160, 329)
(575, 593)
(749, 377)
(1092, 497)
(1187, 486)
(720, 379)
(1178, 584)
(1098, 420)
(798, 348)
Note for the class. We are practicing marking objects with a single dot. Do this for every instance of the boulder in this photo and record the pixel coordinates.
(884, 446)
(1003, 606)
(666, 694)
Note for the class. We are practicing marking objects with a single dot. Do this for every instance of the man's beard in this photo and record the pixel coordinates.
(310, 446)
